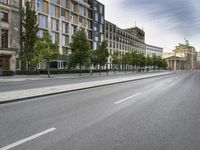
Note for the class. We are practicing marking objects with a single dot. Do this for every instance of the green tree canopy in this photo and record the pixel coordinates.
(100, 55)
(80, 49)
(46, 50)
(116, 59)
(126, 60)
(29, 36)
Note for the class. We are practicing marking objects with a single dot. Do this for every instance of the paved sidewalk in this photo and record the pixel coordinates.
(12, 96)
(19, 78)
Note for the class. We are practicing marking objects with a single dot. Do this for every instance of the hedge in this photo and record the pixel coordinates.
(19, 72)
(69, 71)
(7, 73)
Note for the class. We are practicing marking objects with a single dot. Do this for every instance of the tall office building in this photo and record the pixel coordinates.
(10, 29)
(98, 15)
(62, 18)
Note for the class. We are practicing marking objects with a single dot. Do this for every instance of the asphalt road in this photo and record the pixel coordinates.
(159, 113)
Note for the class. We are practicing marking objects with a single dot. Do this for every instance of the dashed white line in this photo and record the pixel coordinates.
(27, 139)
(127, 98)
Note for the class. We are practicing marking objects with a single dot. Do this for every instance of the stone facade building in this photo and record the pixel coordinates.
(10, 29)
(183, 57)
(123, 40)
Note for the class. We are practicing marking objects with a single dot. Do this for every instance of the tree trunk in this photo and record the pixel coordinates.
(90, 68)
(99, 69)
(80, 69)
(48, 69)
(114, 69)
(107, 69)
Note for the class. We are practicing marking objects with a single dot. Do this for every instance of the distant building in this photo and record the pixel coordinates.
(10, 29)
(183, 57)
(198, 60)
(123, 40)
(154, 51)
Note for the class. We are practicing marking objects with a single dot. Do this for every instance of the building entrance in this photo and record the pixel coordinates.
(4, 63)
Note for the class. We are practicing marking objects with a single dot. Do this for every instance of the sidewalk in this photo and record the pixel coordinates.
(17, 78)
(12, 96)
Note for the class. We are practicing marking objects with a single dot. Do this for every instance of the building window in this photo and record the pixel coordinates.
(52, 10)
(73, 29)
(43, 21)
(63, 14)
(65, 40)
(40, 5)
(73, 7)
(64, 27)
(64, 3)
(95, 45)
(55, 1)
(81, 10)
(101, 9)
(100, 28)
(54, 24)
(4, 38)
(54, 37)
(96, 38)
(4, 16)
(96, 17)
(80, 20)
(4, 1)
(95, 28)
(72, 18)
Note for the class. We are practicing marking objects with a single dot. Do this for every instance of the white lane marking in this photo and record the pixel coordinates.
(27, 139)
(127, 98)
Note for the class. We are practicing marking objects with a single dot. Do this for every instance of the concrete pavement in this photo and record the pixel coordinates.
(154, 113)
(18, 95)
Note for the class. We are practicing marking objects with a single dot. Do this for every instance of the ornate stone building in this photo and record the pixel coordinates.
(183, 57)
(10, 29)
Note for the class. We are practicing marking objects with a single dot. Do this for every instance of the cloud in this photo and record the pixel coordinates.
(174, 15)
(166, 22)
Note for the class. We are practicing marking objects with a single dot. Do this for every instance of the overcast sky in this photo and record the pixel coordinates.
(165, 22)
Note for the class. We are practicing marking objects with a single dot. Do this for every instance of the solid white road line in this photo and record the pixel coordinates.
(127, 98)
(27, 139)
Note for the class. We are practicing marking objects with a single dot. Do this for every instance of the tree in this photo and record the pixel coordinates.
(116, 60)
(149, 62)
(29, 37)
(133, 60)
(126, 60)
(100, 55)
(80, 49)
(141, 60)
(155, 62)
(46, 51)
